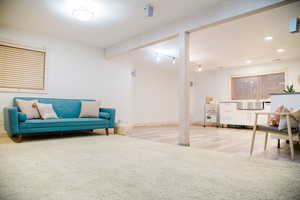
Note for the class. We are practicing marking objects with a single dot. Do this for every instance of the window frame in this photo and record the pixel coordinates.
(284, 71)
(14, 44)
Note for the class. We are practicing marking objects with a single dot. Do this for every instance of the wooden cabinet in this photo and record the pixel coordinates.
(231, 115)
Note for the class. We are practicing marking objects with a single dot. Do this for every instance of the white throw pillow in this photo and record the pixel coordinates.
(283, 121)
(90, 109)
(27, 107)
(46, 111)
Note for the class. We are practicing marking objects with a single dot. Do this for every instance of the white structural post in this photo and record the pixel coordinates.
(184, 93)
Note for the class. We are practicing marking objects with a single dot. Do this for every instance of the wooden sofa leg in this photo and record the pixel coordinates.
(278, 144)
(17, 138)
(107, 131)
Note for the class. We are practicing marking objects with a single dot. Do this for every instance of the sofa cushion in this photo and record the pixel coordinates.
(74, 122)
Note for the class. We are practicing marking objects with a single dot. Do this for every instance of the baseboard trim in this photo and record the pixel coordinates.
(123, 129)
(149, 124)
(154, 124)
(213, 124)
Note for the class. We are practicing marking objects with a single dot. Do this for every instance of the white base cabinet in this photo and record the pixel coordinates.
(231, 115)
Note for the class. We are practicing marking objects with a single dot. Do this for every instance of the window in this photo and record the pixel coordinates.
(21, 68)
(257, 87)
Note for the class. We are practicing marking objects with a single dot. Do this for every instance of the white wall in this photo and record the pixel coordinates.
(77, 71)
(80, 71)
(217, 83)
(155, 94)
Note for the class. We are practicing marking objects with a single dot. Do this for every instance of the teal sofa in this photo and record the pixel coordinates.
(68, 111)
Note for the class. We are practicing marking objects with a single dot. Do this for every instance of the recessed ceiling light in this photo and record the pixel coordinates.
(268, 38)
(280, 50)
(248, 61)
(83, 14)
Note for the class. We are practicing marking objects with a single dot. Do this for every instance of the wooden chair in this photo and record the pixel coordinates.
(289, 132)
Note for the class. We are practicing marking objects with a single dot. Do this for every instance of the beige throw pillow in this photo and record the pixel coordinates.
(90, 109)
(46, 111)
(283, 120)
(296, 114)
(27, 108)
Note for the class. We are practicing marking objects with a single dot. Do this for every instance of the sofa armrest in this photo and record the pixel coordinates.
(11, 120)
(112, 113)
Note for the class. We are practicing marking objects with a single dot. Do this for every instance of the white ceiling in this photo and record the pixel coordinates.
(146, 57)
(115, 20)
(232, 43)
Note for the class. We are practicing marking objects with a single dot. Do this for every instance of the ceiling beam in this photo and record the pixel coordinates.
(220, 13)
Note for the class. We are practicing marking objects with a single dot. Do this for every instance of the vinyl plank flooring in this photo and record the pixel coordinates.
(227, 140)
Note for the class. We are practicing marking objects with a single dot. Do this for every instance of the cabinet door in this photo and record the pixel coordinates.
(242, 117)
(227, 113)
(251, 118)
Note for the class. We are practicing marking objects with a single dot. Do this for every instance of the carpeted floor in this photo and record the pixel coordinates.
(124, 168)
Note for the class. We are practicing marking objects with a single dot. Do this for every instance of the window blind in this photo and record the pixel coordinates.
(21, 68)
(256, 87)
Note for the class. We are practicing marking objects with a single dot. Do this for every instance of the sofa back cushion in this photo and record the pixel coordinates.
(64, 108)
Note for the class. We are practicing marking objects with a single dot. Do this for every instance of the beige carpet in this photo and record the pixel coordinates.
(124, 168)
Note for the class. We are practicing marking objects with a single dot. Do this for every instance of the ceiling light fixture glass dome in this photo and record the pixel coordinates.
(280, 50)
(268, 38)
(83, 14)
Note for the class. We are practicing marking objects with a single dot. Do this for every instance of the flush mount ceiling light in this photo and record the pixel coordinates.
(83, 14)
(248, 61)
(280, 50)
(268, 38)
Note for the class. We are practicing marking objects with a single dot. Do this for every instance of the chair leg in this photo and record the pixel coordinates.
(292, 147)
(253, 140)
(278, 144)
(290, 137)
(107, 131)
(266, 141)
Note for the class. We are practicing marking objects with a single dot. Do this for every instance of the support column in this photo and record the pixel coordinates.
(184, 93)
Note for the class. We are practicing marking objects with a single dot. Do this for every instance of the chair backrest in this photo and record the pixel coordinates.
(65, 108)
